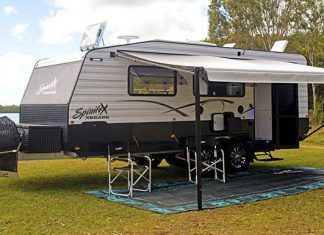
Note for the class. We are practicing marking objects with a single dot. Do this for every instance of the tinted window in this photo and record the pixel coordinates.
(222, 89)
(150, 80)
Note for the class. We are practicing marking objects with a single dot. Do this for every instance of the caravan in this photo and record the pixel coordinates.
(142, 96)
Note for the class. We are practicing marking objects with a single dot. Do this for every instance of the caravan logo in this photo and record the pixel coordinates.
(48, 88)
(98, 112)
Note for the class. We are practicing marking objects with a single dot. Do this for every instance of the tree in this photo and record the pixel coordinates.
(311, 45)
(252, 23)
(309, 41)
(9, 109)
(312, 28)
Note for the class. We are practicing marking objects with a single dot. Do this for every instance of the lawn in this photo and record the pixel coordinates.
(49, 198)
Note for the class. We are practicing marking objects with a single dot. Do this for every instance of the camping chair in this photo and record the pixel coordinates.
(135, 174)
(215, 163)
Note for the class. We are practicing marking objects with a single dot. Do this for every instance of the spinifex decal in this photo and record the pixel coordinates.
(178, 109)
(48, 88)
(98, 112)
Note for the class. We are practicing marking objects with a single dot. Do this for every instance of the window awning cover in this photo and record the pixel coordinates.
(235, 70)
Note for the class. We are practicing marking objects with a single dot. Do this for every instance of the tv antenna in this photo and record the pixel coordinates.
(128, 38)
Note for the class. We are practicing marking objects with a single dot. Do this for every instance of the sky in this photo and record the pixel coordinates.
(37, 29)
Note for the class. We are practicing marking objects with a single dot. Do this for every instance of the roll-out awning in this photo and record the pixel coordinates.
(234, 70)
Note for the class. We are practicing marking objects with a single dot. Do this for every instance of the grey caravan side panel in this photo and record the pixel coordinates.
(52, 84)
(303, 110)
(47, 95)
(103, 85)
(303, 100)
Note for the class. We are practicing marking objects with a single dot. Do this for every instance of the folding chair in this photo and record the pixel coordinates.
(216, 164)
(135, 174)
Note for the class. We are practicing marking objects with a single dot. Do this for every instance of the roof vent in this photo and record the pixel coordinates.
(279, 46)
(230, 45)
(202, 43)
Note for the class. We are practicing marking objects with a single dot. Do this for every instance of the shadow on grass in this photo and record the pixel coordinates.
(90, 180)
(83, 181)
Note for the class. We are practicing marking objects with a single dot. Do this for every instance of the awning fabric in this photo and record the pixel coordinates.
(235, 70)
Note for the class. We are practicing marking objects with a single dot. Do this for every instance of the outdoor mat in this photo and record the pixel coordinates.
(244, 187)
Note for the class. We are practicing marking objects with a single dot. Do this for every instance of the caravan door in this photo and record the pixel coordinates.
(285, 115)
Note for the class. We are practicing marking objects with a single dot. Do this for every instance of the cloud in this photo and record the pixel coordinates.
(19, 30)
(160, 19)
(15, 72)
(9, 10)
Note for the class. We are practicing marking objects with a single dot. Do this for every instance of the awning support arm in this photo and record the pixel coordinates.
(152, 63)
(198, 71)
(313, 132)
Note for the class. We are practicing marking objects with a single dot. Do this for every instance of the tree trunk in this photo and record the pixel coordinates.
(314, 103)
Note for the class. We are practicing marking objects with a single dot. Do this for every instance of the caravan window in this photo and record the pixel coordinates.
(222, 89)
(151, 80)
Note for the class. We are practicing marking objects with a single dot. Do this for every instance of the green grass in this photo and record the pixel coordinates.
(48, 199)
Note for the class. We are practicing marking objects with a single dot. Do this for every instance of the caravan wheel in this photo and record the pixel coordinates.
(237, 158)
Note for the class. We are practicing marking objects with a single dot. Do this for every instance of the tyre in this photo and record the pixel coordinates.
(155, 161)
(207, 156)
(237, 157)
